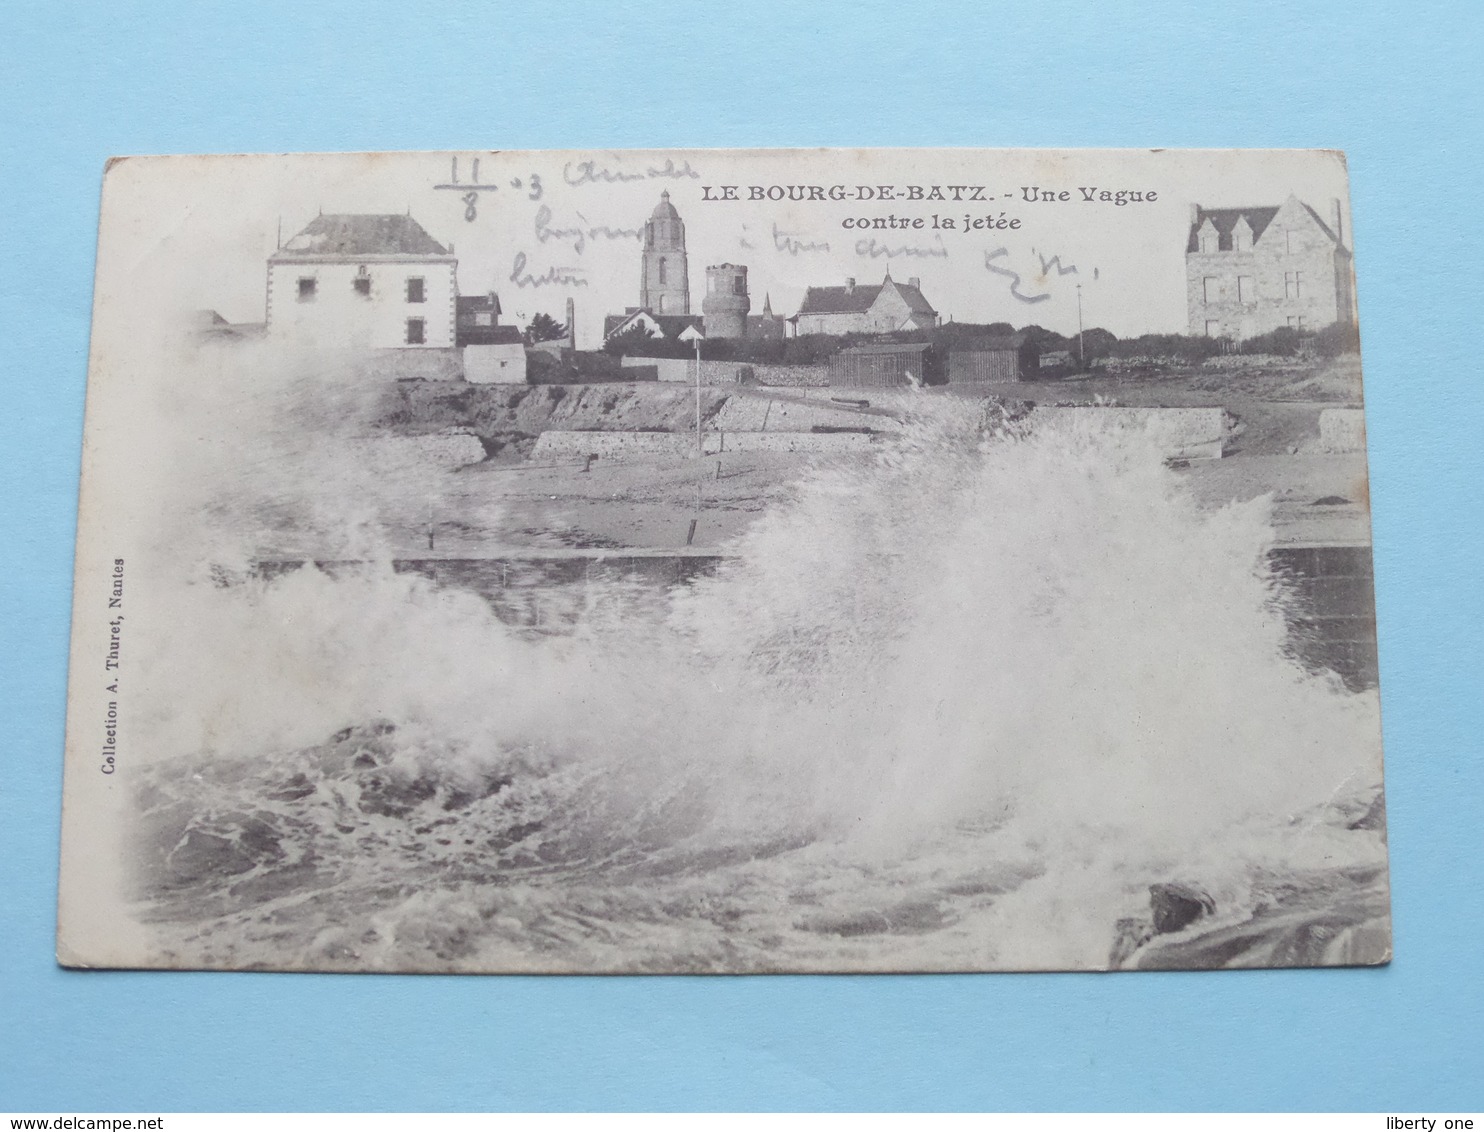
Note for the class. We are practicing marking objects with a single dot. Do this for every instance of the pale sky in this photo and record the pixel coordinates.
(196, 231)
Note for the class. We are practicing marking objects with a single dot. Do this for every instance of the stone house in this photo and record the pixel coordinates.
(1249, 271)
(853, 309)
(355, 281)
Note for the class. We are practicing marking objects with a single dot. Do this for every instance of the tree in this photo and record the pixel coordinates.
(544, 328)
(1097, 342)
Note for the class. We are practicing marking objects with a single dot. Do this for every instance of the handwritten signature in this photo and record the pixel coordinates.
(871, 248)
(578, 235)
(1046, 268)
(785, 242)
(591, 173)
(552, 276)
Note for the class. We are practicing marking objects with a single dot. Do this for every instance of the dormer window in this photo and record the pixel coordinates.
(1207, 239)
(1241, 235)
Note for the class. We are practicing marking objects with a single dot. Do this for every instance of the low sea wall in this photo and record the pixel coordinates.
(684, 370)
(791, 377)
(1342, 430)
(1331, 615)
(750, 413)
(390, 455)
(1332, 619)
(617, 445)
(1188, 434)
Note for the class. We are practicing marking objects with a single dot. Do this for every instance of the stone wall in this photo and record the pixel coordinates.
(1342, 430)
(1187, 434)
(748, 413)
(428, 364)
(390, 455)
(684, 370)
(617, 445)
(1332, 615)
(791, 377)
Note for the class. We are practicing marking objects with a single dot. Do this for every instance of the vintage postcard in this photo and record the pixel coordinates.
(724, 561)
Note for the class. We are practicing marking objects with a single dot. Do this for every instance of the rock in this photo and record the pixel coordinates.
(1176, 906)
(1130, 934)
(1375, 816)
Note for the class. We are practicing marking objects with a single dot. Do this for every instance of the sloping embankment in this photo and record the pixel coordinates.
(508, 419)
(515, 415)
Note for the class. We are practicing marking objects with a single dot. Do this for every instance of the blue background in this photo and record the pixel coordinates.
(1397, 86)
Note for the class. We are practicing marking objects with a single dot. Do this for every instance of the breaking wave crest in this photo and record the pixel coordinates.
(954, 706)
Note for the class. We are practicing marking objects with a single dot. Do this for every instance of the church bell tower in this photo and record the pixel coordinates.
(664, 286)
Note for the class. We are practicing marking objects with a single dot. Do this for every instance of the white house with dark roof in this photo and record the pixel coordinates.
(1249, 271)
(675, 327)
(854, 309)
(363, 282)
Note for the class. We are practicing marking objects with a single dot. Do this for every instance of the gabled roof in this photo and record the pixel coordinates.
(1225, 219)
(671, 325)
(478, 304)
(858, 299)
(838, 300)
(915, 300)
(496, 336)
(676, 324)
(1323, 227)
(353, 235)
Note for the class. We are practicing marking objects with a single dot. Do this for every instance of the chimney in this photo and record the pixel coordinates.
(571, 325)
(1335, 222)
(1195, 215)
(914, 281)
(850, 285)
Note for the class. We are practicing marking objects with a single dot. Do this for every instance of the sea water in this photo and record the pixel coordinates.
(952, 705)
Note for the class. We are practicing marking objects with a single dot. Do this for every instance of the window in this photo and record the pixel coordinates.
(662, 272)
(1213, 328)
(362, 284)
(739, 286)
(1293, 284)
(1292, 243)
(1296, 322)
(415, 290)
(307, 286)
(1246, 289)
(1208, 239)
(415, 332)
(1211, 289)
(1241, 239)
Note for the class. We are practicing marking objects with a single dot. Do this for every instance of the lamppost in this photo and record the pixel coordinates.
(699, 448)
(1081, 349)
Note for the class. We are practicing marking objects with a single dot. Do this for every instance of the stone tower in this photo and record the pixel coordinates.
(726, 303)
(664, 286)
